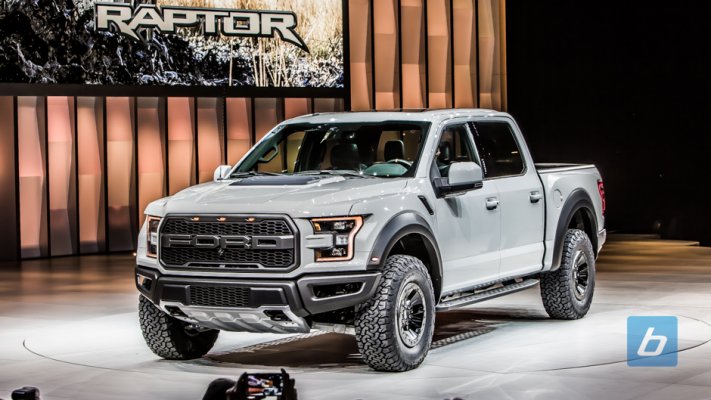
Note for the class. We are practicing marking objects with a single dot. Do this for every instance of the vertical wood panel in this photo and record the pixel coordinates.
(296, 107)
(90, 163)
(328, 105)
(120, 162)
(62, 184)
(267, 114)
(439, 57)
(181, 148)
(492, 58)
(210, 137)
(501, 41)
(361, 62)
(412, 36)
(386, 61)
(239, 128)
(151, 151)
(9, 241)
(465, 68)
(32, 168)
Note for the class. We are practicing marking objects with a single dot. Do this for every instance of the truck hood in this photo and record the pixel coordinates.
(318, 196)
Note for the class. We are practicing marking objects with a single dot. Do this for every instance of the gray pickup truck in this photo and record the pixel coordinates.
(373, 221)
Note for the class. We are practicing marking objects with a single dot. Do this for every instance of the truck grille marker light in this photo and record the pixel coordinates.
(343, 230)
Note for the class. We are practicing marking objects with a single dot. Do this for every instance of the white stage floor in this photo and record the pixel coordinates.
(69, 327)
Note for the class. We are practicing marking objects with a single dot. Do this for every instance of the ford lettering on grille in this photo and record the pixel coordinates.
(208, 242)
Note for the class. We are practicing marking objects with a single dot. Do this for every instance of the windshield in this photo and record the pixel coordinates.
(383, 149)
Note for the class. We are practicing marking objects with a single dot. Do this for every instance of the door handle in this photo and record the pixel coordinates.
(535, 196)
(492, 203)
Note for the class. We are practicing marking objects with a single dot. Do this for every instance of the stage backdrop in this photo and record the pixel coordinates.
(79, 163)
(248, 43)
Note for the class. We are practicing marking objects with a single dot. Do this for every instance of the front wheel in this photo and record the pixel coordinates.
(394, 329)
(171, 338)
(568, 291)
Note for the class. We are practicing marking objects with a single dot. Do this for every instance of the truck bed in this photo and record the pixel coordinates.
(544, 168)
(560, 181)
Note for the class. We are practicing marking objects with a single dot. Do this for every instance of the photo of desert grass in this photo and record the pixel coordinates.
(275, 62)
(55, 41)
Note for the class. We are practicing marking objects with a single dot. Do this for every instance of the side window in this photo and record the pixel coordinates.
(497, 148)
(453, 146)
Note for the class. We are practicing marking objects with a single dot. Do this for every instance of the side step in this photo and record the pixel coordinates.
(486, 294)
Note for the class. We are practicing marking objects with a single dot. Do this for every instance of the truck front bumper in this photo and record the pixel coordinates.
(263, 305)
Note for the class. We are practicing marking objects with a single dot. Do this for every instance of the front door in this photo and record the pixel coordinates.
(468, 225)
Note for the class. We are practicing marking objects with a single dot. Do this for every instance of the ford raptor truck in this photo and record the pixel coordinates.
(368, 222)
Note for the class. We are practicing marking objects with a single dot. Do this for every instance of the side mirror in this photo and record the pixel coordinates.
(220, 172)
(463, 177)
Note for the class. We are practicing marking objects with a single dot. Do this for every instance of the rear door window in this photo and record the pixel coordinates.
(500, 153)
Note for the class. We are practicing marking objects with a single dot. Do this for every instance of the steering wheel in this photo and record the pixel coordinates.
(404, 163)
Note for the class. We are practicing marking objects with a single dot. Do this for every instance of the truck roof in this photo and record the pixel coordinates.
(424, 115)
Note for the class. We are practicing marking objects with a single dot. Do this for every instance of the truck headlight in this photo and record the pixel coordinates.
(152, 236)
(343, 231)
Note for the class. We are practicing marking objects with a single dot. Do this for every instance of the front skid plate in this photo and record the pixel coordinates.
(240, 319)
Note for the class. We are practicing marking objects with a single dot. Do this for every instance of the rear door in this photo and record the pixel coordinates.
(507, 162)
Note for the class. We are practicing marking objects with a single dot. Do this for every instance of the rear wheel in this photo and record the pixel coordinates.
(567, 292)
(171, 338)
(394, 329)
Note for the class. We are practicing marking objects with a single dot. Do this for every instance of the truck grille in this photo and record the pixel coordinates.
(257, 228)
(215, 296)
(209, 242)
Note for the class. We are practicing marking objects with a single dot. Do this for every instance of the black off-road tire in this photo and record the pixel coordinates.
(558, 289)
(171, 338)
(376, 324)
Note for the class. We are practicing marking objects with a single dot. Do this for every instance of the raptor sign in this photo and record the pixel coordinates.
(128, 20)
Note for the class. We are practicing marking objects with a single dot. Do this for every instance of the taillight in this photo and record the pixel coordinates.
(601, 189)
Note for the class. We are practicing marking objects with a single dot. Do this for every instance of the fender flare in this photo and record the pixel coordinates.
(579, 199)
(396, 228)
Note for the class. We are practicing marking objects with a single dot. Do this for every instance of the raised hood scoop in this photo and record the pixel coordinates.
(286, 180)
(281, 180)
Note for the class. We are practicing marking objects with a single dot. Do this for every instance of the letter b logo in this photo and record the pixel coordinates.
(651, 337)
(652, 341)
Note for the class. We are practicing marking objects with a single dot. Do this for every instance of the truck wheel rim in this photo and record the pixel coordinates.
(411, 314)
(581, 275)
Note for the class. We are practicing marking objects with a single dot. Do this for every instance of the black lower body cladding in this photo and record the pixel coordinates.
(304, 296)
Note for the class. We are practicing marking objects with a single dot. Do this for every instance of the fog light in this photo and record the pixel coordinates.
(144, 281)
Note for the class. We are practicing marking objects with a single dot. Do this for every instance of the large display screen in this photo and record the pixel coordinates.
(247, 43)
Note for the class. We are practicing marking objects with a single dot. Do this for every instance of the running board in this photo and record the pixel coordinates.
(486, 295)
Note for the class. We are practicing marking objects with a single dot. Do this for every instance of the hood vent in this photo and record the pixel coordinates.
(277, 180)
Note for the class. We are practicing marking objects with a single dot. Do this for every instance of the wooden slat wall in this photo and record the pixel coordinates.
(77, 172)
(427, 54)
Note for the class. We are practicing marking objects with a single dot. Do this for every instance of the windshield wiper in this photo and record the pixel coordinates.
(339, 172)
(246, 174)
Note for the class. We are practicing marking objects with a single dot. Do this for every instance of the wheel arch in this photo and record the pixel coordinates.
(408, 233)
(578, 212)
